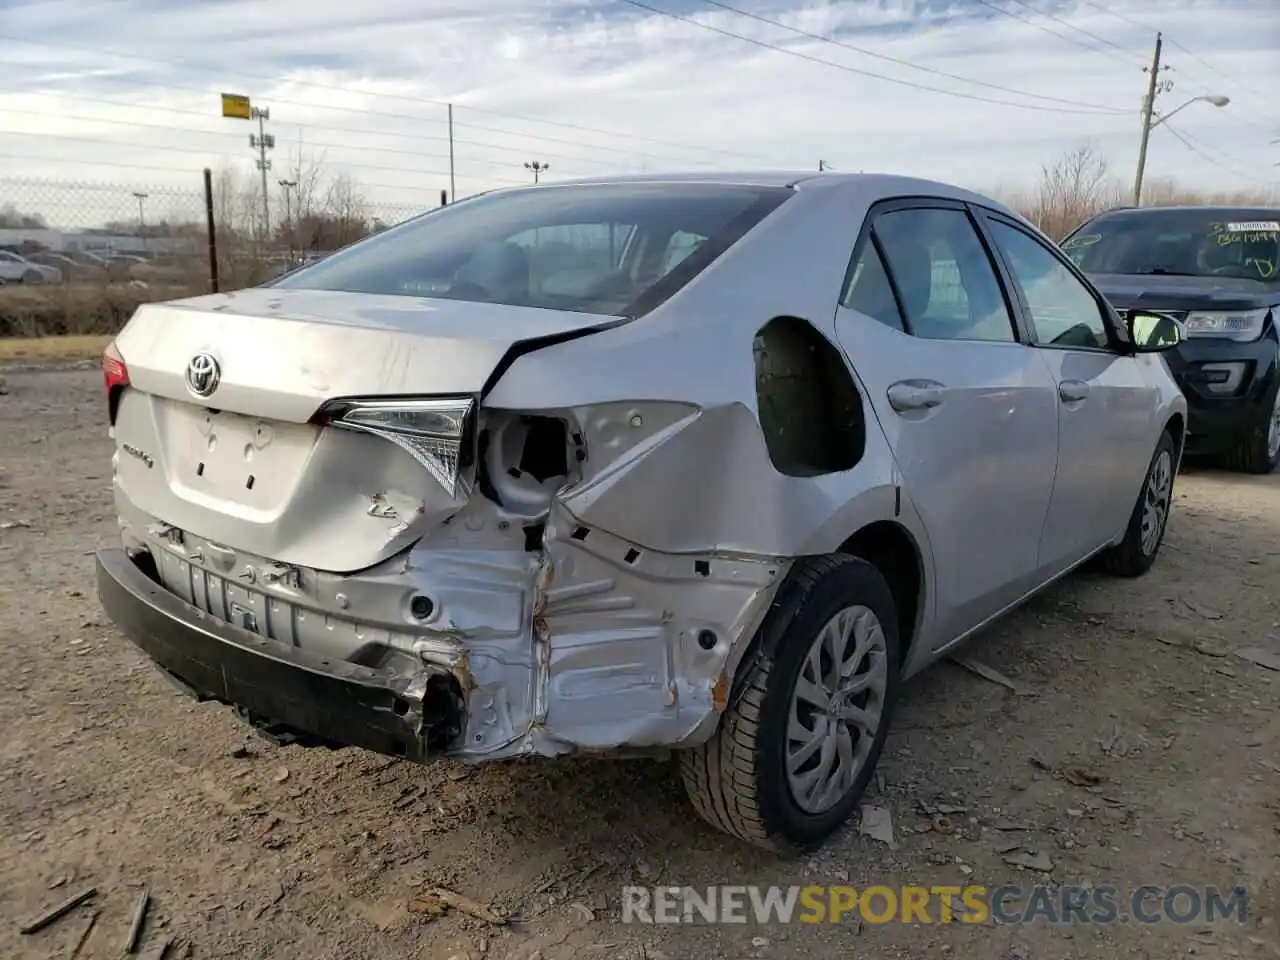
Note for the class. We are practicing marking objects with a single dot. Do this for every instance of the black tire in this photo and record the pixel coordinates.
(1128, 558)
(737, 780)
(1251, 455)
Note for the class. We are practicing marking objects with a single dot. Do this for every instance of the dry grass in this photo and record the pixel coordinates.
(75, 309)
(52, 349)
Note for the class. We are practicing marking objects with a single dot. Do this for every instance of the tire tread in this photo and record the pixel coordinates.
(719, 775)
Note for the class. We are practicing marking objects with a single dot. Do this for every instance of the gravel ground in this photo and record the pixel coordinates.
(1141, 749)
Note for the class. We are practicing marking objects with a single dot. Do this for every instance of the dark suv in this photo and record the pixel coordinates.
(1217, 271)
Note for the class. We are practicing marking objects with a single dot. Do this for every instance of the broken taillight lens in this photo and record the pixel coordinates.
(115, 377)
(433, 431)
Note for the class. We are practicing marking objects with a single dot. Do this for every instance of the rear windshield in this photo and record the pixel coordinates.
(1240, 244)
(612, 249)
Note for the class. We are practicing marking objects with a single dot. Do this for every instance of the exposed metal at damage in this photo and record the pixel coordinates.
(572, 639)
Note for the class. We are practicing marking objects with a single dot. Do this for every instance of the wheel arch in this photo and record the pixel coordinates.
(892, 549)
(1176, 427)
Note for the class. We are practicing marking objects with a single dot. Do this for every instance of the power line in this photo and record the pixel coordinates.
(227, 133)
(1186, 141)
(1196, 57)
(221, 69)
(1053, 33)
(1205, 63)
(908, 63)
(1129, 54)
(204, 114)
(847, 69)
(169, 192)
(630, 154)
(223, 155)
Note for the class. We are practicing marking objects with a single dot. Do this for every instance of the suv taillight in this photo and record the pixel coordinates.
(115, 377)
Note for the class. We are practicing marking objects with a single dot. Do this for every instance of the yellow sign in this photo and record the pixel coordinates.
(237, 106)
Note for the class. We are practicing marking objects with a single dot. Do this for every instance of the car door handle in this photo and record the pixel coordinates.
(1073, 391)
(916, 395)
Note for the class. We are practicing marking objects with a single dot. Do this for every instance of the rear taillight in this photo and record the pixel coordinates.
(115, 377)
(433, 431)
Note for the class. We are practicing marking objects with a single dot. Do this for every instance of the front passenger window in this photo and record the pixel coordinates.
(1064, 312)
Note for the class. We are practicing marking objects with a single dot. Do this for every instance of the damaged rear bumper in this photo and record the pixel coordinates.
(286, 692)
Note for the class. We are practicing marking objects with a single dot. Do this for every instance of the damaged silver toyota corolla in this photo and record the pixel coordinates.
(701, 463)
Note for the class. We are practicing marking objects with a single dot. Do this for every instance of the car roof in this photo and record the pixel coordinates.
(885, 184)
(753, 178)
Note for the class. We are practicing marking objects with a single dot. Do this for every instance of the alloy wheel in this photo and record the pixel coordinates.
(836, 708)
(1155, 501)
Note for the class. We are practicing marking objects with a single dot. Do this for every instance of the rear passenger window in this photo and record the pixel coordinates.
(948, 286)
(869, 291)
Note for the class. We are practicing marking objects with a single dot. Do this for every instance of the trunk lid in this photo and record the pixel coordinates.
(246, 468)
(283, 353)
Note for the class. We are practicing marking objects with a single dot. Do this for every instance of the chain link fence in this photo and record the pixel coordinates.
(79, 257)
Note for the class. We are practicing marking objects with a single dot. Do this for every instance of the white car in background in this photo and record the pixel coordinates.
(18, 269)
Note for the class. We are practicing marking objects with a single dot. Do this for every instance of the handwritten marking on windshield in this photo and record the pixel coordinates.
(1232, 233)
(1266, 268)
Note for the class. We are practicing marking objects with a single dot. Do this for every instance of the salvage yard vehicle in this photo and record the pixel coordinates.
(709, 463)
(1216, 270)
(15, 268)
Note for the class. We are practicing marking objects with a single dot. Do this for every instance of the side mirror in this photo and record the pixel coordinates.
(1153, 332)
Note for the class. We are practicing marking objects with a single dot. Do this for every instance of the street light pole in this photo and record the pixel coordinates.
(1150, 121)
(538, 167)
(1214, 99)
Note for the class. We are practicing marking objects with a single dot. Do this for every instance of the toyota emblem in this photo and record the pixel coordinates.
(203, 374)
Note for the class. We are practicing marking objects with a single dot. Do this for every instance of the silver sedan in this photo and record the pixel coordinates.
(705, 463)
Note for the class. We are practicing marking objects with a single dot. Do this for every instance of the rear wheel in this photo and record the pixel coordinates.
(1259, 452)
(1135, 554)
(796, 750)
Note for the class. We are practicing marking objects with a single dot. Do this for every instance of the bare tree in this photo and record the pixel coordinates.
(300, 193)
(1072, 189)
(347, 209)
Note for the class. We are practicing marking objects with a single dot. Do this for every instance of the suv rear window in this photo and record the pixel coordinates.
(1233, 243)
(611, 249)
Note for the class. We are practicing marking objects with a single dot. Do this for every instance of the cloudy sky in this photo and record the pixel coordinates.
(980, 92)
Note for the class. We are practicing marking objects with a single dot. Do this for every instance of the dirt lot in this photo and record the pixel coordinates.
(108, 777)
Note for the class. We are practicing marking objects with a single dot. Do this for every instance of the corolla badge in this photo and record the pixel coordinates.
(203, 374)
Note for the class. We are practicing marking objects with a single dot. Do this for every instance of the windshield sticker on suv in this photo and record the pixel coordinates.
(1255, 226)
(1258, 231)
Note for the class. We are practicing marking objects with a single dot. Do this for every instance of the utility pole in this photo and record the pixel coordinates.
(538, 167)
(453, 192)
(142, 220)
(263, 142)
(823, 165)
(1148, 111)
(287, 186)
